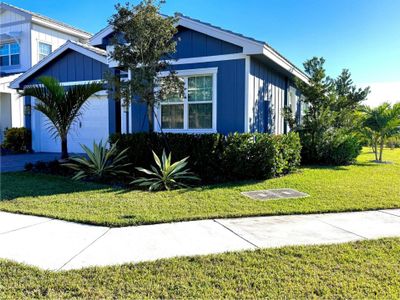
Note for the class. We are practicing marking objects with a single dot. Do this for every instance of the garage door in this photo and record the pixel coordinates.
(91, 126)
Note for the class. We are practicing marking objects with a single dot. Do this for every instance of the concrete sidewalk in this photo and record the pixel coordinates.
(59, 245)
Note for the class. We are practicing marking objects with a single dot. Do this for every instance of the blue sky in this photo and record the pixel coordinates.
(361, 35)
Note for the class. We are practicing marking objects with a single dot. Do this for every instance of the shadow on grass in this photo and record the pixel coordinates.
(25, 184)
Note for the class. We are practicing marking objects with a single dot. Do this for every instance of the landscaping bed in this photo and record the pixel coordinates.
(367, 269)
(363, 186)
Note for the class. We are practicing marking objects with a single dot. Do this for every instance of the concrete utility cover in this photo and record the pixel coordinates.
(274, 194)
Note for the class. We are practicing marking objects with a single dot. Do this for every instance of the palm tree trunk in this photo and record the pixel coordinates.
(381, 149)
(64, 148)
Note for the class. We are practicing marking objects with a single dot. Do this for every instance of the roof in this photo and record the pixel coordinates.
(85, 49)
(250, 45)
(36, 16)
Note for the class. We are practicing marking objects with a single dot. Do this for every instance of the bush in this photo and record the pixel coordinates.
(335, 148)
(17, 140)
(215, 157)
(248, 156)
(53, 167)
(393, 142)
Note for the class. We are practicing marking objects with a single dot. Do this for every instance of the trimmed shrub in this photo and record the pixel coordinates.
(287, 156)
(393, 142)
(215, 157)
(17, 140)
(335, 148)
(248, 156)
(53, 167)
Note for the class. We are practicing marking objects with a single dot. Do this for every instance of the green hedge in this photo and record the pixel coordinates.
(333, 148)
(17, 140)
(218, 158)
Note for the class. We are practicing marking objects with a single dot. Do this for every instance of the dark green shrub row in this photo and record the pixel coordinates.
(53, 167)
(215, 157)
(17, 140)
(336, 148)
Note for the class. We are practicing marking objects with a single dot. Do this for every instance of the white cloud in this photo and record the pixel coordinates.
(382, 92)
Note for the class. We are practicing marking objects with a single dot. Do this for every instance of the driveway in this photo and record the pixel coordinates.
(58, 245)
(16, 162)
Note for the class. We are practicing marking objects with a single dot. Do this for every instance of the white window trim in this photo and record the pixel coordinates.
(188, 73)
(9, 42)
(38, 49)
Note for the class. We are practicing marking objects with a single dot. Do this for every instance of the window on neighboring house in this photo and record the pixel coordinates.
(9, 54)
(193, 112)
(44, 50)
(293, 103)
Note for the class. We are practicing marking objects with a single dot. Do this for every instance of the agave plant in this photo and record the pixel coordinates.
(166, 175)
(100, 163)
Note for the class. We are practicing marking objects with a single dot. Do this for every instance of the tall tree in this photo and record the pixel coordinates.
(330, 114)
(348, 99)
(318, 96)
(384, 122)
(143, 44)
(62, 106)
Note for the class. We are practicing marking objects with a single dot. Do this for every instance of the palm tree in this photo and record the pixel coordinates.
(384, 122)
(61, 105)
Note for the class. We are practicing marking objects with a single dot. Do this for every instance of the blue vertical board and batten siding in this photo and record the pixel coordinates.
(191, 43)
(230, 96)
(267, 98)
(69, 67)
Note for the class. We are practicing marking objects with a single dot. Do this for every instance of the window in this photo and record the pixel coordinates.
(9, 54)
(44, 50)
(195, 111)
(293, 102)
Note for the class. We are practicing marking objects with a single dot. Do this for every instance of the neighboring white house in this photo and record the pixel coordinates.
(25, 39)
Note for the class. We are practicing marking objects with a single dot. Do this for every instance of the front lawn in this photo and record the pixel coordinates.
(364, 186)
(368, 269)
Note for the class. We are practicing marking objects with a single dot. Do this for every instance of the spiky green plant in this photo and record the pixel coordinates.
(100, 164)
(166, 175)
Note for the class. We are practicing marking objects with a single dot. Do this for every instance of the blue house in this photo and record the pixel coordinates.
(233, 83)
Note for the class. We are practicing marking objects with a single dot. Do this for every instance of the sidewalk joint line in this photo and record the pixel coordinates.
(348, 231)
(25, 227)
(84, 249)
(388, 213)
(246, 240)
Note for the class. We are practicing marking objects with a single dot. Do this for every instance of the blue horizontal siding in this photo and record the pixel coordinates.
(191, 43)
(230, 96)
(70, 66)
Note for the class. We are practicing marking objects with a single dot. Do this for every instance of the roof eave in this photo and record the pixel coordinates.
(284, 63)
(58, 27)
(15, 84)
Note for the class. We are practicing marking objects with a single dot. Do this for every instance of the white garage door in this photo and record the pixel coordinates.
(91, 126)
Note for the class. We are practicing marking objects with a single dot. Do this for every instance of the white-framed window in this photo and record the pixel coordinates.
(293, 102)
(9, 54)
(44, 50)
(196, 111)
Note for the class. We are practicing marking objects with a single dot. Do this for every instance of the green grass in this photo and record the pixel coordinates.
(363, 186)
(368, 269)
